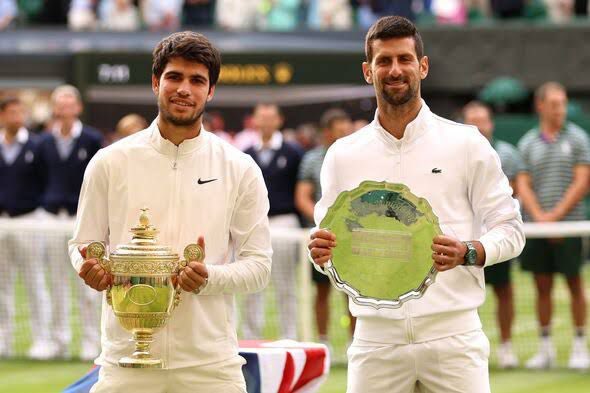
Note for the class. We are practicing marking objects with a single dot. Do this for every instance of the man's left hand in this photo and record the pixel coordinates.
(448, 252)
(194, 276)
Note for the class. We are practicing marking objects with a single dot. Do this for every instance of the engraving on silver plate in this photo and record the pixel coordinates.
(374, 243)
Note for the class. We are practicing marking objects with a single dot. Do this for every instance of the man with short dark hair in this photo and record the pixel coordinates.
(552, 186)
(434, 343)
(478, 114)
(198, 188)
(20, 196)
(334, 124)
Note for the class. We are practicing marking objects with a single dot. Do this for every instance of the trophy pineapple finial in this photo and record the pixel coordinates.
(144, 231)
(144, 219)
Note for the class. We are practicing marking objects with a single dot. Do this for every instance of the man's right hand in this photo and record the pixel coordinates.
(320, 246)
(93, 274)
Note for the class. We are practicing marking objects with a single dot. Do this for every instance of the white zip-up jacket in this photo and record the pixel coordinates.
(456, 170)
(204, 187)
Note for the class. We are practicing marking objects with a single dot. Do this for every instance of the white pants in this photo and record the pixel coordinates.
(283, 278)
(23, 252)
(61, 274)
(224, 377)
(456, 364)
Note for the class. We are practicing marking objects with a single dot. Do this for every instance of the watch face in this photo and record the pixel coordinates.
(471, 255)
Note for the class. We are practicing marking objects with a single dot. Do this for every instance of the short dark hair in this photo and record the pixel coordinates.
(7, 101)
(189, 46)
(393, 27)
(331, 116)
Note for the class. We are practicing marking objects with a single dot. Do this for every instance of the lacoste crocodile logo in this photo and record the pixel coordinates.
(205, 181)
(436, 170)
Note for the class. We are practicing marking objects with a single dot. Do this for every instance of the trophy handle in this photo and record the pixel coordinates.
(97, 250)
(192, 252)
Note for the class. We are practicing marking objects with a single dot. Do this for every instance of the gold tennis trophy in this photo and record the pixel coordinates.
(144, 290)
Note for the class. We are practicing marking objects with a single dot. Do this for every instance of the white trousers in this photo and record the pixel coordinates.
(456, 364)
(223, 377)
(22, 252)
(61, 274)
(283, 278)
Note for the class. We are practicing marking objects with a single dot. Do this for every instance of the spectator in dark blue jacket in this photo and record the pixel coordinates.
(64, 153)
(20, 192)
(279, 161)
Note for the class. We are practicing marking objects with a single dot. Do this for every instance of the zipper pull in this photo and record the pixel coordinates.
(175, 158)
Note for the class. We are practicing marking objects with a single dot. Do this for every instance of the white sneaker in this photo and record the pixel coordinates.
(579, 357)
(89, 352)
(506, 356)
(545, 357)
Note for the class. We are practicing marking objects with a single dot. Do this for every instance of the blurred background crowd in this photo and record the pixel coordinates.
(273, 15)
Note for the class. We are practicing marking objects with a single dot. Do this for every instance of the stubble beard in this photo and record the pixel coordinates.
(180, 121)
(398, 99)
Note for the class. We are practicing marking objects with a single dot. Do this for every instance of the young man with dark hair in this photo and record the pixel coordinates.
(434, 343)
(198, 188)
(552, 186)
(478, 114)
(20, 196)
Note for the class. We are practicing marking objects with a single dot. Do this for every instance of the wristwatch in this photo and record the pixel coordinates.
(470, 258)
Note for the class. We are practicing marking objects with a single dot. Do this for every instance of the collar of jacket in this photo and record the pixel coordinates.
(164, 146)
(22, 136)
(414, 130)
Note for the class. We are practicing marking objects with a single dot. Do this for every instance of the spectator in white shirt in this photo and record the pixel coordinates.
(119, 15)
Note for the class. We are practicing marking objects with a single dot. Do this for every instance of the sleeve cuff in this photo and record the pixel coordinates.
(491, 250)
(211, 281)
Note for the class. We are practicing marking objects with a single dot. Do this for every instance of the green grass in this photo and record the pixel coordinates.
(22, 376)
(25, 376)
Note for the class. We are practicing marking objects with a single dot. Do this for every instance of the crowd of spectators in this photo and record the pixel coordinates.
(272, 15)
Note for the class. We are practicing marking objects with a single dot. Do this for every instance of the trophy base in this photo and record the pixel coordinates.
(133, 362)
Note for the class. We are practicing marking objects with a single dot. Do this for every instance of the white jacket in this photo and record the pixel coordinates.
(230, 212)
(469, 191)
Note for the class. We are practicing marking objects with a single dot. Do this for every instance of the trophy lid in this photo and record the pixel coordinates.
(143, 244)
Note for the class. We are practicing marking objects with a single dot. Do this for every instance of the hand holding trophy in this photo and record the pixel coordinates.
(194, 276)
(144, 289)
